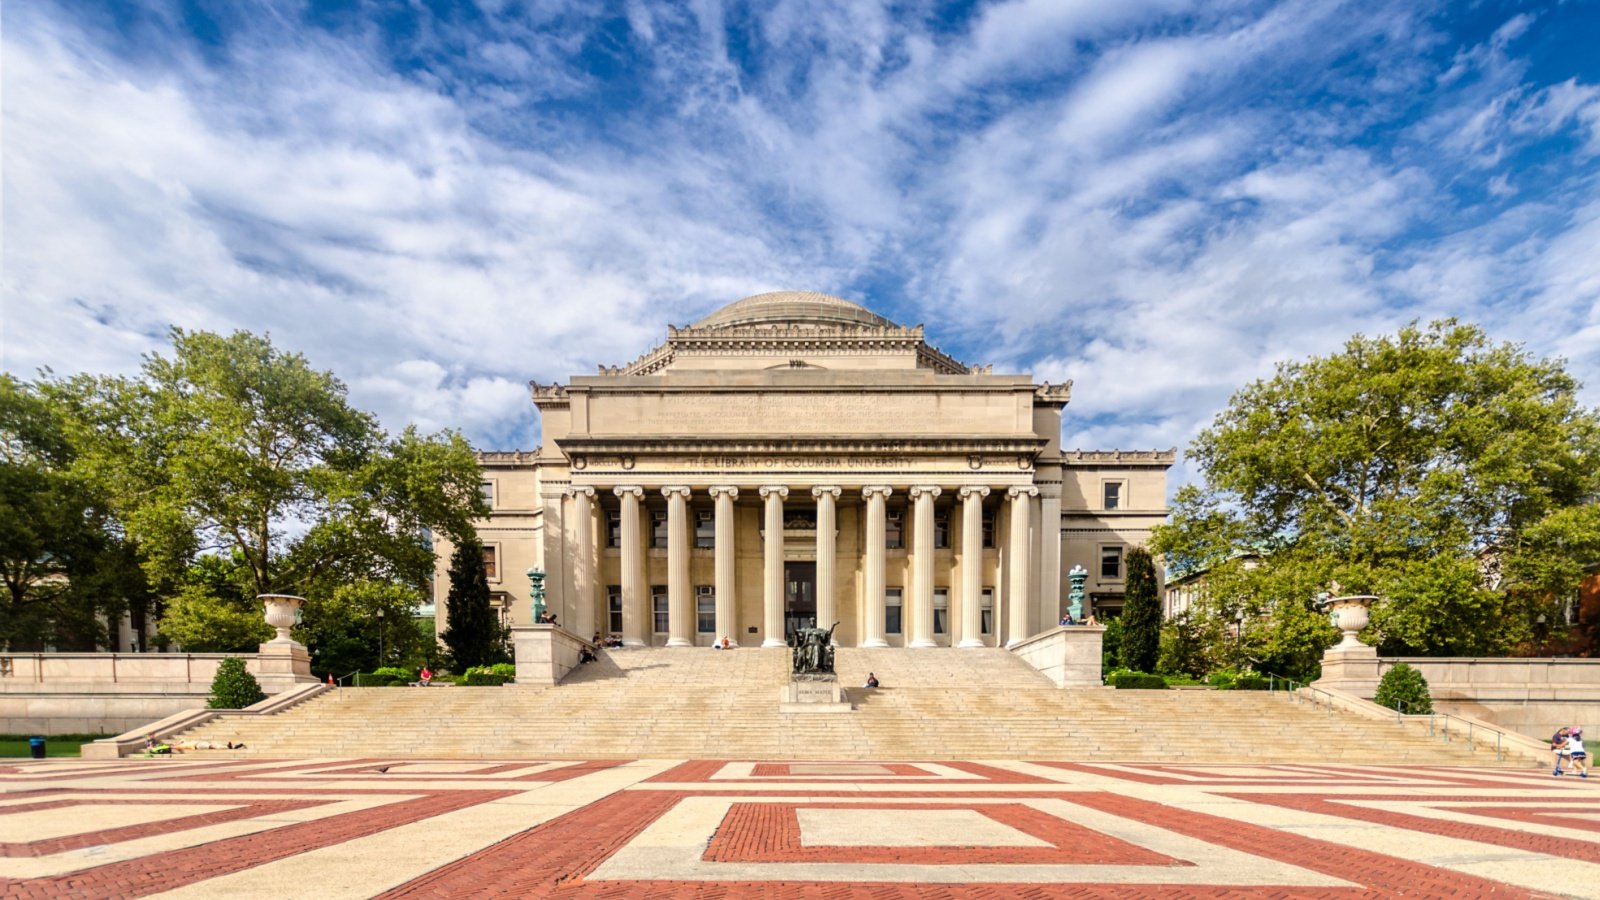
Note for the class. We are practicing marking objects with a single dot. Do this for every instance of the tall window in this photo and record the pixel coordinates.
(1113, 495)
(941, 610)
(705, 529)
(894, 529)
(988, 529)
(705, 608)
(658, 607)
(614, 608)
(891, 610)
(486, 491)
(614, 528)
(1111, 562)
(941, 529)
(658, 529)
(987, 606)
(491, 563)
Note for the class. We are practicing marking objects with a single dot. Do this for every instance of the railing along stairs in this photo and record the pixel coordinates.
(1438, 724)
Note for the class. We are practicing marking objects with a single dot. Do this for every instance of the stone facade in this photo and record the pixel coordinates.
(793, 456)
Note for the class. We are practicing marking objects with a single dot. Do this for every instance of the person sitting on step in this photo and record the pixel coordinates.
(872, 680)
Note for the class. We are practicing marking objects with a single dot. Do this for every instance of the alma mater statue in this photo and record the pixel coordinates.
(813, 649)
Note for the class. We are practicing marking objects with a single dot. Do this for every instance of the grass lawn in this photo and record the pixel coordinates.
(16, 745)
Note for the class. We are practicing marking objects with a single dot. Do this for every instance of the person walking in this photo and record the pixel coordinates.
(1558, 746)
(1576, 753)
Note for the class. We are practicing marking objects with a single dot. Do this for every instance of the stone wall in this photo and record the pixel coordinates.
(1068, 655)
(1531, 696)
(109, 693)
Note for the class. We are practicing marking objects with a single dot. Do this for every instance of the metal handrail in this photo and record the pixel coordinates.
(1293, 688)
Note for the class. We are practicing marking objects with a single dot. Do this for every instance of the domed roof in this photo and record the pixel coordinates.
(793, 306)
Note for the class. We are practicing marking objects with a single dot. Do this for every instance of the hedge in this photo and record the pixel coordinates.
(485, 679)
(1138, 681)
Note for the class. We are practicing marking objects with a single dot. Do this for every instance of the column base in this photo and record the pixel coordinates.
(774, 642)
(874, 643)
(679, 642)
(1014, 642)
(971, 643)
(922, 644)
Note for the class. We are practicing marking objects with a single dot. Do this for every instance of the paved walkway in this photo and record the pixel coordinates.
(409, 828)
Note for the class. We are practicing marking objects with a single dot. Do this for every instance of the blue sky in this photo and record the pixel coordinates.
(1157, 199)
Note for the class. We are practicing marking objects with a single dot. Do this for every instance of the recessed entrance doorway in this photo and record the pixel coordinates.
(799, 595)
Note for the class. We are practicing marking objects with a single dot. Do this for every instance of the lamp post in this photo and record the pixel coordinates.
(536, 592)
(1539, 632)
(1238, 639)
(380, 637)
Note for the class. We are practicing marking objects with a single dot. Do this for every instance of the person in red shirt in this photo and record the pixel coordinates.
(427, 675)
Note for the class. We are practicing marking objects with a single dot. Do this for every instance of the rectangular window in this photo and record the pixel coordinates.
(1111, 562)
(705, 529)
(891, 610)
(614, 528)
(941, 529)
(705, 608)
(658, 607)
(988, 529)
(894, 526)
(941, 610)
(658, 529)
(486, 491)
(614, 608)
(988, 611)
(1113, 495)
(491, 563)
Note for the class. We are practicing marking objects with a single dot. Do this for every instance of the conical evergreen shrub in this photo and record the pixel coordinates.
(1404, 685)
(234, 687)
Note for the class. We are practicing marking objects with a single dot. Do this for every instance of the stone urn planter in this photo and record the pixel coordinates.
(1351, 613)
(283, 613)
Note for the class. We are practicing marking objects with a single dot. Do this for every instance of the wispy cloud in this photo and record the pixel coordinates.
(1157, 199)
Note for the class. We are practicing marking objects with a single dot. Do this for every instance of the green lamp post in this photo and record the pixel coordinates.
(1076, 578)
(536, 591)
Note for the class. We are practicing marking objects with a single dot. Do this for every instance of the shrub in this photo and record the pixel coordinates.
(484, 679)
(1223, 680)
(1137, 681)
(508, 671)
(234, 687)
(1404, 686)
(393, 672)
(1250, 681)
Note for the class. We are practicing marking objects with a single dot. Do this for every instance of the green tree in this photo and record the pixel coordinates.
(1184, 646)
(1401, 466)
(62, 560)
(342, 631)
(234, 687)
(473, 632)
(234, 449)
(1141, 614)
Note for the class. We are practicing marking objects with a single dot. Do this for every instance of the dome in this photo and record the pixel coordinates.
(793, 306)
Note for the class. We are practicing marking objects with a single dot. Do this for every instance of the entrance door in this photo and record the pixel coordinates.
(799, 595)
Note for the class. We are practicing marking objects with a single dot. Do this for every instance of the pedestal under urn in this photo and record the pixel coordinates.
(283, 613)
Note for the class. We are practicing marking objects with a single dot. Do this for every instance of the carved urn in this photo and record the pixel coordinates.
(1350, 614)
(283, 613)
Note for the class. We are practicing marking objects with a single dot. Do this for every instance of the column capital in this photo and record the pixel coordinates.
(779, 489)
(717, 490)
(967, 490)
(626, 489)
(871, 489)
(818, 490)
(917, 490)
(672, 489)
(577, 490)
(1021, 490)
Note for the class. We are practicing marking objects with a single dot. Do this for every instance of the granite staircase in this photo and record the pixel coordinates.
(934, 704)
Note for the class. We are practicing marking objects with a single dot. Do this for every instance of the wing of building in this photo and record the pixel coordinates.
(794, 456)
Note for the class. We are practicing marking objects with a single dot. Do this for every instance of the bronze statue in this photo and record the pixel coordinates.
(813, 649)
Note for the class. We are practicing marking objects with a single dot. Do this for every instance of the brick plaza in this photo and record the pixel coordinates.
(709, 828)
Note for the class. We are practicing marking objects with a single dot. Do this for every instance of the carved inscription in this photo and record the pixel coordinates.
(799, 462)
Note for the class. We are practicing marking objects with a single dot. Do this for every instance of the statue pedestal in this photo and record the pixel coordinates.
(818, 693)
(1353, 670)
(282, 664)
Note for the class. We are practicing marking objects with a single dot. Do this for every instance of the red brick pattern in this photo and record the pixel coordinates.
(249, 810)
(770, 832)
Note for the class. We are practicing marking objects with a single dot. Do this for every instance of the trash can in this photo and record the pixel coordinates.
(36, 747)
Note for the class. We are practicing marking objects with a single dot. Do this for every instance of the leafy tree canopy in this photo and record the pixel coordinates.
(241, 470)
(1409, 466)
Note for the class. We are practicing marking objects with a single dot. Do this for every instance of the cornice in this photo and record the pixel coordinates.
(1007, 445)
(1083, 458)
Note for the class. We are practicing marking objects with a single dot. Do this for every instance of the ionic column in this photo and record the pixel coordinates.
(827, 610)
(1020, 602)
(633, 586)
(922, 566)
(726, 608)
(877, 497)
(972, 564)
(772, 594)
(1050, 556)
(680, 604)
(583, 572)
